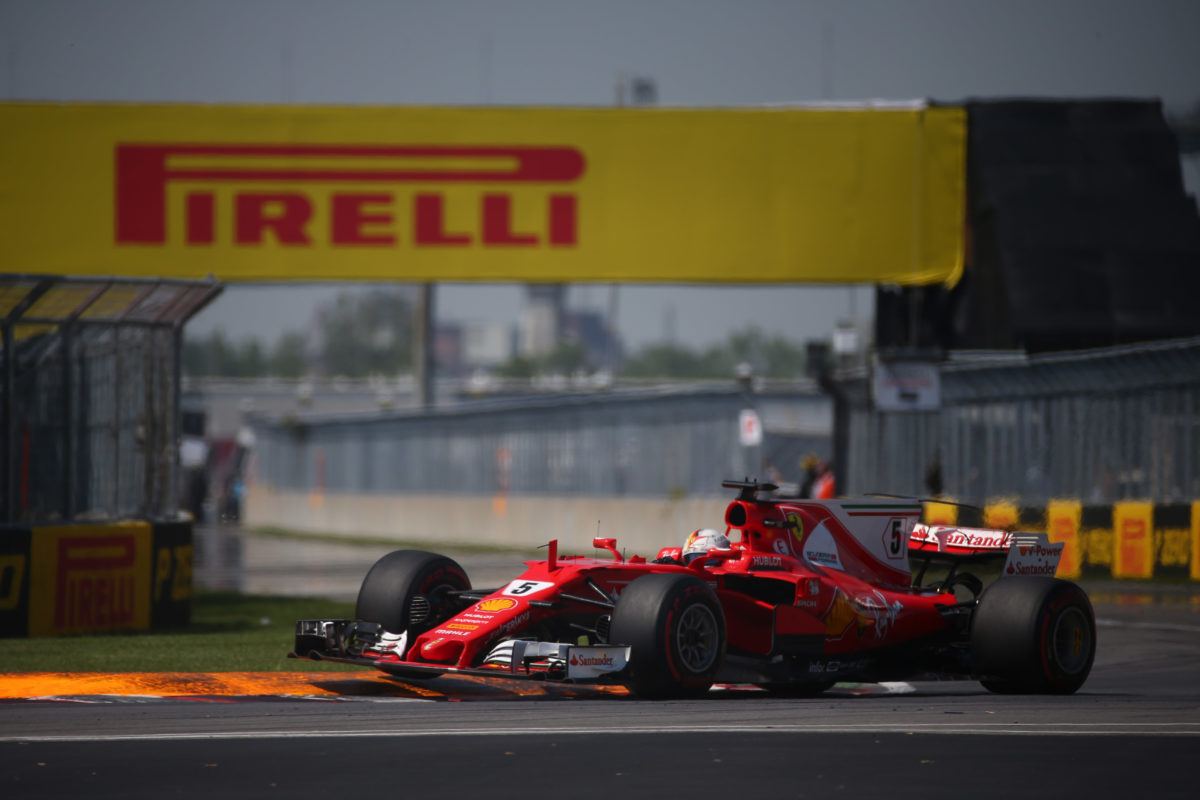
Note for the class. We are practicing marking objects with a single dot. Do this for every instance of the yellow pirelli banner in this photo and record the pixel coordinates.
(1133, 539)
(90, 578)
(1063, 519)
(268, 193)
(94, 577)
(1194, 570)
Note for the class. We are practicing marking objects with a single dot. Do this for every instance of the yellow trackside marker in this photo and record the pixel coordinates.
(1133, 539)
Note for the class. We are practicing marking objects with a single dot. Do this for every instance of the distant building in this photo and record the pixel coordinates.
(540, 323)
(486, 344)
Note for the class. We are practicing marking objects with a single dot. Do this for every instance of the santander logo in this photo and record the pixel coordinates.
(591, 661)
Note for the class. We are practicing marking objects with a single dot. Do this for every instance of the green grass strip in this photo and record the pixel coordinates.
(229, 633)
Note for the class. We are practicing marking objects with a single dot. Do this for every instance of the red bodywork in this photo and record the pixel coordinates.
(818, 582)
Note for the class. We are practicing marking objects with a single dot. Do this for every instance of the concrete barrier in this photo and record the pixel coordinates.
(640, 525)
(1127, 540)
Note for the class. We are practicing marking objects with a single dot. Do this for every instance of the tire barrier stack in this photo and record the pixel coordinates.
(1130, 539)
(90, 578)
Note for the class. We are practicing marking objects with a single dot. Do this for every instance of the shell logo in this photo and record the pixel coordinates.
(497, 604)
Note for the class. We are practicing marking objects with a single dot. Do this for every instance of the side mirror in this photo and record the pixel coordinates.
(607, 544)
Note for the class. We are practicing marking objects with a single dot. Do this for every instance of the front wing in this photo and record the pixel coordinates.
(367, 644)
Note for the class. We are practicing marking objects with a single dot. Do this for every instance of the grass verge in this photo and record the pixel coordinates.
(229, 633)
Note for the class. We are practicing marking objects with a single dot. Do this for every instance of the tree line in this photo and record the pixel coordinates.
(359, 335)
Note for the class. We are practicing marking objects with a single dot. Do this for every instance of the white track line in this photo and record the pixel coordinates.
(1081, 729)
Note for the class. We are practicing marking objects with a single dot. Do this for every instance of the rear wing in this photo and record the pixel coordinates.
(1023, 552)
(955, 541)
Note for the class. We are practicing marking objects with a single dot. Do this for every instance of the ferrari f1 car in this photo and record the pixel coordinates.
(804, 594)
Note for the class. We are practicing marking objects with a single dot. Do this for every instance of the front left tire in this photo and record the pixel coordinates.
(675, 629)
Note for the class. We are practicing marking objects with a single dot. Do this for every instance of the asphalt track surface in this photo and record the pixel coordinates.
(1132, 731)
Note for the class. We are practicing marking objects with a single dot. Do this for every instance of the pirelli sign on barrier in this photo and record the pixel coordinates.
(838, 194)
(57, 580)
(1131, 539)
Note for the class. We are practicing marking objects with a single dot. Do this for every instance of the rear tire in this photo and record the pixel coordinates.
(408, 590)
(675, 629)
(1033, 635)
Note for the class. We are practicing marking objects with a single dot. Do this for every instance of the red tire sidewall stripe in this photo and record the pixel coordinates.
(668, 639)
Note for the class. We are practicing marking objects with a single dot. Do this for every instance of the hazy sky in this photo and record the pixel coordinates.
(557, 52)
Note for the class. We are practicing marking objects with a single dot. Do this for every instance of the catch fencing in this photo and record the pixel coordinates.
(663, 442)
(90, 396)
(1099, 426)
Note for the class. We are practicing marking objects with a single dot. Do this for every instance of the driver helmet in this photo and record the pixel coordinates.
(700, 542)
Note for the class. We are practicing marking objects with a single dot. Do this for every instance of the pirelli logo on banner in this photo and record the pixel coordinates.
(90, 580)
(1133, 539)
(346, 196)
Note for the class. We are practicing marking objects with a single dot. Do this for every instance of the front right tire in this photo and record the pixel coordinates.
(408, 590)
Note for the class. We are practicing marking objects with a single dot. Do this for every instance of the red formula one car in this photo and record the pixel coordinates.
(802, 594)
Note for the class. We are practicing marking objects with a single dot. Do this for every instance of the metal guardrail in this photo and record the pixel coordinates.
(678, 442)
(1099, 426)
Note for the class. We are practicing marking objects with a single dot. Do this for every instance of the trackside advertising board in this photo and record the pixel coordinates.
(269, 193)
(1131, 539)
(86, 578)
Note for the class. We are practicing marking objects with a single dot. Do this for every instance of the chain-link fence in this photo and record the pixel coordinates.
(90, 396)
(1098, 426)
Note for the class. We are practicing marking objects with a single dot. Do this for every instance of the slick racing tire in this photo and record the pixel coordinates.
(407, 590)
(1033, 635)
(675, 629)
